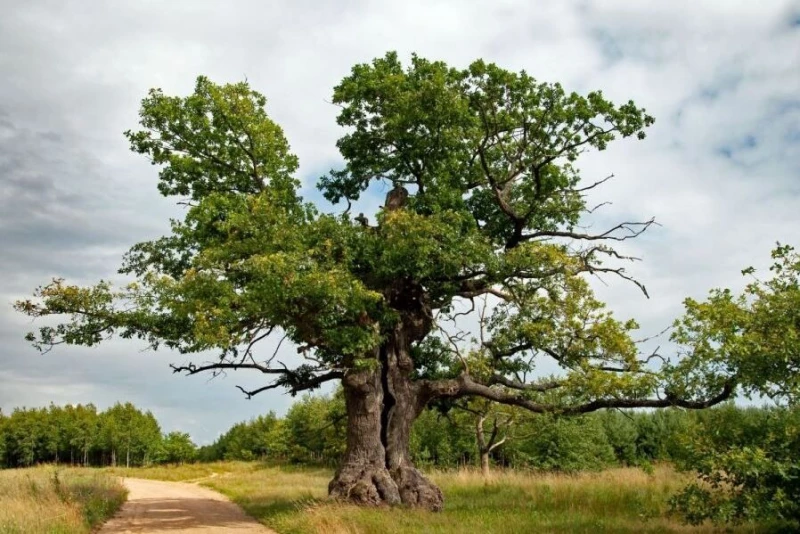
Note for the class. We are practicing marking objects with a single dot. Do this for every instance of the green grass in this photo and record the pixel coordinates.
(616, 500)
(55, 501)
(293, 500)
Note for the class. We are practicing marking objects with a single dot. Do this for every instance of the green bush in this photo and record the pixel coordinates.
(748, 462)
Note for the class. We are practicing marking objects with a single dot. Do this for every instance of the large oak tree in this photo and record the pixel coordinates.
(485, 200)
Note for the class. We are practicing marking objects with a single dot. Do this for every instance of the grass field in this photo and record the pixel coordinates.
(616, 500)
(55, 501)
(293, 500)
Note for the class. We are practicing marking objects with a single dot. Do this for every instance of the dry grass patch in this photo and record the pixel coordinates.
(54, 501)
(275, 495)
(184, 472)
(616, 500)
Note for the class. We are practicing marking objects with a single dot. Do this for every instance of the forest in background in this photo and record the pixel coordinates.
(313, 433)
(81, 435)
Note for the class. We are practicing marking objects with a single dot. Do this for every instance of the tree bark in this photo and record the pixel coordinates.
(382, 405)
(405, 406)
(483, 449)
(363, 477)
(485, 464)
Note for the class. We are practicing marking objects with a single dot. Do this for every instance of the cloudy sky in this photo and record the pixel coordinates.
(720, 170)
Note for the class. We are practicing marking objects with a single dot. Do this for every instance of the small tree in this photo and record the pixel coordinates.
(491, 424)
(500, 422)
(263, 437)
(315, 429)
(485, 199)
(177, 448)
(754, 338)
(86, 429)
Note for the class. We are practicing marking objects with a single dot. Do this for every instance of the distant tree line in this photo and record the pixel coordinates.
(80, 435)
(747, 458)
(313, 432)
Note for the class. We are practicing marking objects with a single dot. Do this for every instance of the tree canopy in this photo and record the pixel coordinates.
(752, 338)
(487, 201)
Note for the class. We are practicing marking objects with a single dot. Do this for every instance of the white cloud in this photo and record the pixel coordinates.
(720, 76)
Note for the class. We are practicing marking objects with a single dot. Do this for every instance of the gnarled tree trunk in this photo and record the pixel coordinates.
(381, 408)
(401, 408)
(363, 477)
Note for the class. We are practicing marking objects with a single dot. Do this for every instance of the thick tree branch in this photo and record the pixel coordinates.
(192, 369)
(464, 386)
(505, 353)
(475, 288)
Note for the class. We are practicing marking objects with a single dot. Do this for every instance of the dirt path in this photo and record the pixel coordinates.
(177, 507)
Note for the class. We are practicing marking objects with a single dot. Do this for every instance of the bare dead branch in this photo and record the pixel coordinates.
(289, 378)
(249, 394)
(595, 184)
(629, 230)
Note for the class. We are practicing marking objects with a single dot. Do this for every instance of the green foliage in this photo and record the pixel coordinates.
(177, 448)
(123, 429)
(79, 435)
(495, 201)
(219, 139)
(316, 428)
(422, 125)
(443, 441)
(752, 338)
(563, 444)
(312, 432)
(747, 465)
(750, 470)
(622, 433)
(261, 438)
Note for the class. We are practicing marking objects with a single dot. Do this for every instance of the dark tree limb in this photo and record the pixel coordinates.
(464, 386)
(291, 379)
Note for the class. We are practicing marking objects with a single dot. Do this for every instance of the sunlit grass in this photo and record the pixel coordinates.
(294, 500)
(184, 472)
(54, 501)
(616, 500)
(278, 496)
